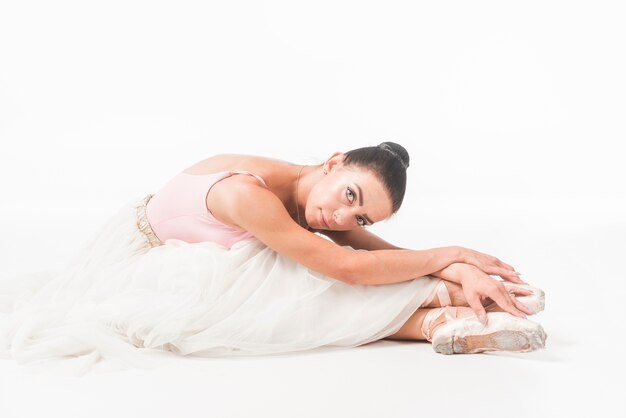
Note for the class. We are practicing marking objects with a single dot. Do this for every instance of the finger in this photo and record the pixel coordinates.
(477, 307)
(502, 264)
(503, 272)
(519, 291)
(505, 302)
(507, 272)
(522, 307)
(508, 266)
(506, 275)
(512, 277)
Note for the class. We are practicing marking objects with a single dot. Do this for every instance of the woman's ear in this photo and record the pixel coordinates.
(335, 159)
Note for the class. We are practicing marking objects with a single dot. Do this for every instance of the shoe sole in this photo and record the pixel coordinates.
(505, 340)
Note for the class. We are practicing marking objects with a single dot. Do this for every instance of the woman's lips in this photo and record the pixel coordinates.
(323, 220)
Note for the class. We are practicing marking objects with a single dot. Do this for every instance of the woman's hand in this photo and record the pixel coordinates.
(490, 265)
(478, 286)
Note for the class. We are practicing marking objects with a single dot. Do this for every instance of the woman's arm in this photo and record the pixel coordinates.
(243, 203)
(362, 239)
(359, 239)
(476, 284)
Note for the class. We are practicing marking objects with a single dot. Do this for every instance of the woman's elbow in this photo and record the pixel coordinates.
(350, 269)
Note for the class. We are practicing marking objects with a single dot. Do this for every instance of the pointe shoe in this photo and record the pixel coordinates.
(457, 330)
(536, 302)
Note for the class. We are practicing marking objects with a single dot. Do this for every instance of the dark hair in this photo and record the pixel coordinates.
(389, 162)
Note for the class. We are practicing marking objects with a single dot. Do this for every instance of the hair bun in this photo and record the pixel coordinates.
(389, 162)
(398, 151)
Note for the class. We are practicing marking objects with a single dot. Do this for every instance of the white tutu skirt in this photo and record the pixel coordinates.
(121, 296)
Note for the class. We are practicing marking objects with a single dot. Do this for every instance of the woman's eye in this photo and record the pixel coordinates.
(350, 195)
(360, 220)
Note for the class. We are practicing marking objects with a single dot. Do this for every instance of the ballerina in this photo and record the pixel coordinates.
(246, 255)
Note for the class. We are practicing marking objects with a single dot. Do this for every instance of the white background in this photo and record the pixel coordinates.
(513, 114)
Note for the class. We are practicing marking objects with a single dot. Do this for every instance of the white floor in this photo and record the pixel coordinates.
(579, 374)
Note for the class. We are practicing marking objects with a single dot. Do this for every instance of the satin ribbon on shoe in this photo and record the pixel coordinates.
(441, 291)
(451, 313)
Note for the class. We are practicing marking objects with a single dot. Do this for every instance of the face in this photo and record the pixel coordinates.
(348, 197)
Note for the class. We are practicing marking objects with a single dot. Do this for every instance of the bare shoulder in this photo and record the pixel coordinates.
(227, 194)
(261, 166)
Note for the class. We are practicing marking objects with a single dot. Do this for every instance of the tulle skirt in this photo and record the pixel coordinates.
(124, 293)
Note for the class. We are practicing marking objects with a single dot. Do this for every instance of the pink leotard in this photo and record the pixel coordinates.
(179, 211)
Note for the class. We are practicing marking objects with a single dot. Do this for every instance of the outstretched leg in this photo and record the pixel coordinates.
(412, 328)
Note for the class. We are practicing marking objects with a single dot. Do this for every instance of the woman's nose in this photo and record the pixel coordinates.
(341, 217)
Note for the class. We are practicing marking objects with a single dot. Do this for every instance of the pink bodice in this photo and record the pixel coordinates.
(179, 211)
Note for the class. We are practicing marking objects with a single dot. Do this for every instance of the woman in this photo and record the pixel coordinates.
(243, 255)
